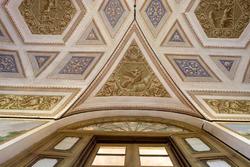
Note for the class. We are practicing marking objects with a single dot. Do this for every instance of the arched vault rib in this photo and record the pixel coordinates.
(133, 78)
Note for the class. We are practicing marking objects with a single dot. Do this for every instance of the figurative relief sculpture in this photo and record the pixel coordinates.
(28, 102)
(223, 18)
(133, 77)
(47, 17)
(222, 106)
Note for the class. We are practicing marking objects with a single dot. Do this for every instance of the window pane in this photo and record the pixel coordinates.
(67, 143)
(217, 163)
(111, 150)
(155, 161)
(45, 162)
(152, 151)
(105, 160)
(197, 144)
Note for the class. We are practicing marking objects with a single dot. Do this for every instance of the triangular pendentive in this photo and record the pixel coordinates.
(227, 64)
(176, 37)
(91, 36)
(4, 36)
(133, 77)
(41, 60)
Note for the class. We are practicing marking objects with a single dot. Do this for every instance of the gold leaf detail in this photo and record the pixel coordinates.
(133, 77)
(223, 106)
(47, 17)
(28, 102)
(223, 18)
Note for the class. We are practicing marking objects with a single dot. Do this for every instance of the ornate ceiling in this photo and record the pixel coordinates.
(59, 58)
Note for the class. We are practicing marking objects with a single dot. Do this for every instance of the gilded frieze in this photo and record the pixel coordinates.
(224, 106)
(47, 17)
(223, 18)
(133, 77)
(28, 102)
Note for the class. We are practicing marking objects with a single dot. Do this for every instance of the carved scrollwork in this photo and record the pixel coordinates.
(222, 106)
(47, 17)
(133, 77)
(223, 18)
(28, 102)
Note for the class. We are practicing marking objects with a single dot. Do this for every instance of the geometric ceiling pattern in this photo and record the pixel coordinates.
(133, 78)
(176, 37)
(228, 65)
(192, 68)
(76, 65)
(60, 58)
(183, 48)
(41, 60)
(4, 36)
(114, 13)
(10, 65)
(155, 13)
(91, 36)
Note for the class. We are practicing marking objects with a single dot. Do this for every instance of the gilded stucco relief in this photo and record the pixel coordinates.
(34, 102)
(28, 102)
(223, 18)
(133, 77)
(47, 17)
(224, 106)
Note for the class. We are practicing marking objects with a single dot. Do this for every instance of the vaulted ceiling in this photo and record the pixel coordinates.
(59, 58)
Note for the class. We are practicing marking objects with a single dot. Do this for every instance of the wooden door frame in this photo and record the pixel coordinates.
(116, 139)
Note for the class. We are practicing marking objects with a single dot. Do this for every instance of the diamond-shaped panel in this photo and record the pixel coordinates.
(47, 17)
(77, 65)
(191, 68)
(10, 65)
(155, 12)
(113, 11)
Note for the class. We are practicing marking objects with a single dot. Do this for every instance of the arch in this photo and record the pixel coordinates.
(188, 125)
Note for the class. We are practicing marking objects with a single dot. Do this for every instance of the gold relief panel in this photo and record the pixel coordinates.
(223, 18)
(34, 102)
(28, 102)
(133, 77)
(224, 106)
(47, 17)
